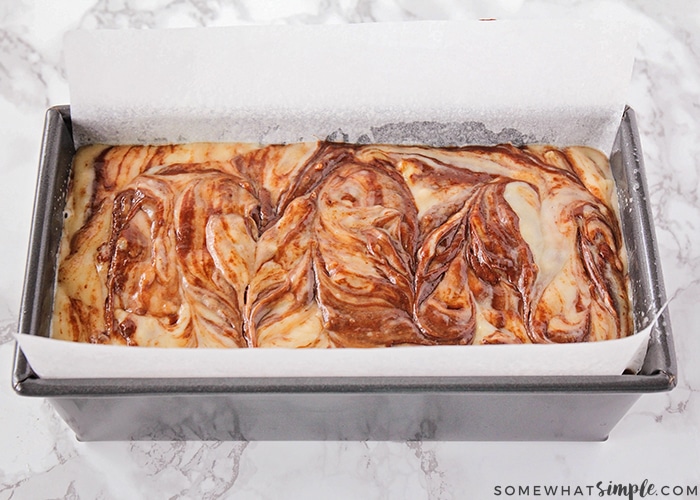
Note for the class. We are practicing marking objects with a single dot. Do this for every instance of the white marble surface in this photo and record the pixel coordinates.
(658, 440)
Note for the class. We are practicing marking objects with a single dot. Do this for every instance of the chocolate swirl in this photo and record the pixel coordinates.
(335, 245)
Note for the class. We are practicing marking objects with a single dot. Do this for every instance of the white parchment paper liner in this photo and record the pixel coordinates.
(62, 359)
(438, 83)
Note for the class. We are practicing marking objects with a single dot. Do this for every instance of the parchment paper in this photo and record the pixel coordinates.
(560, 82)
(437, 83)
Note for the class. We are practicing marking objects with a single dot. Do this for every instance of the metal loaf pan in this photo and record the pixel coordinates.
(358, 408)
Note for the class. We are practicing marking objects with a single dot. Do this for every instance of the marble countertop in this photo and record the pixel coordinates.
(657, 441)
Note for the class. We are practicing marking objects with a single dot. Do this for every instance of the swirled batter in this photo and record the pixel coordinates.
(337, 245)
